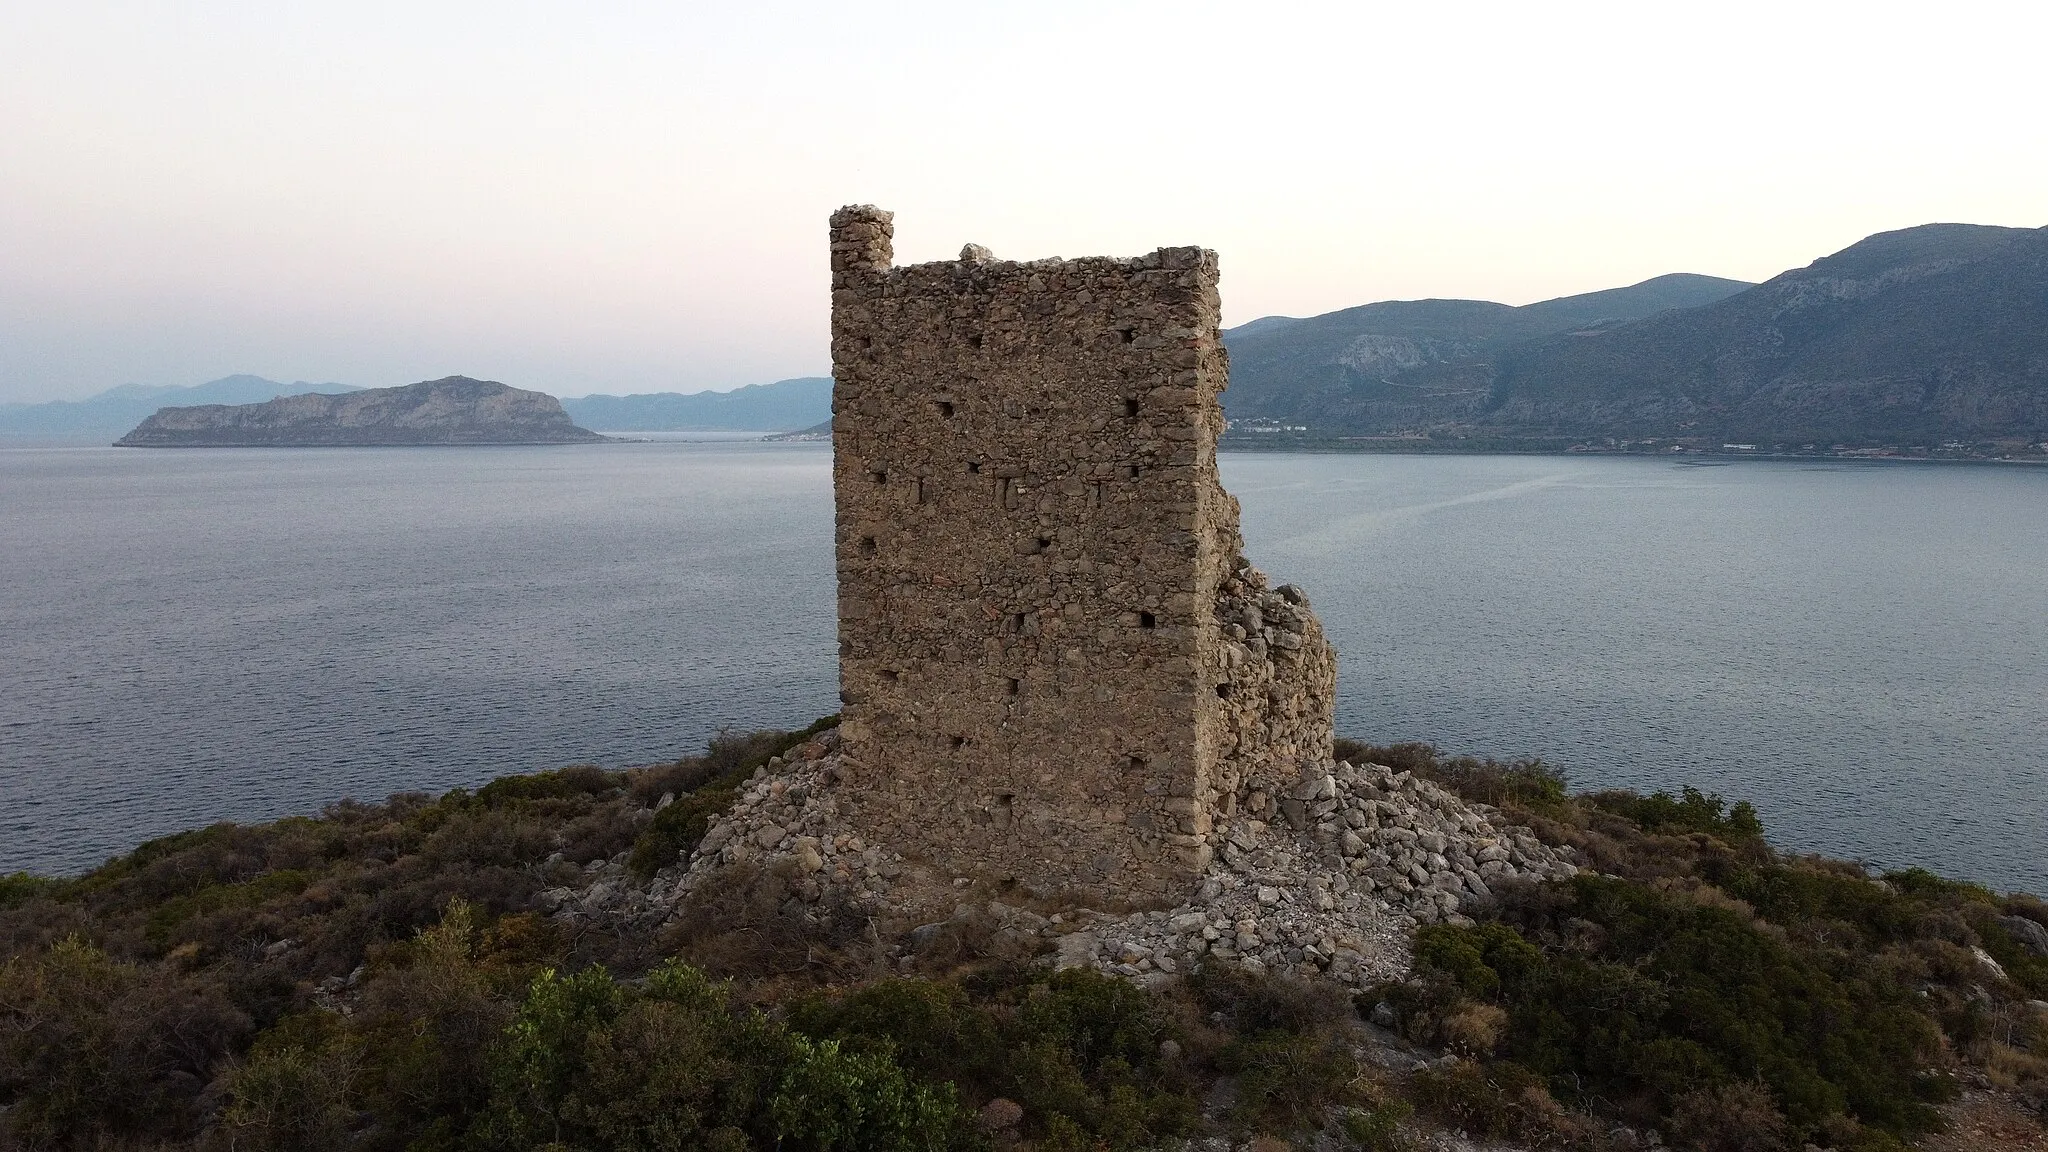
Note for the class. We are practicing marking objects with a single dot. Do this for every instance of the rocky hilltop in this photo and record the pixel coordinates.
(454, 410)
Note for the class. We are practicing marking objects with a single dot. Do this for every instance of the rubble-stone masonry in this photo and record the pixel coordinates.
(1326, 876)
(1057, 668)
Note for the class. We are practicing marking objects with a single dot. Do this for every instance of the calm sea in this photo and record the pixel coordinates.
(188, 637)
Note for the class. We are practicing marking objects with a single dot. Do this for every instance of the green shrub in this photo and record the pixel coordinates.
(93, 1050)
(1527, 784)
(295, 1089)
(829, 1099)
(1670, 994)
(427, 1024)
(1079, 1051)
(1284, 1080)
(1921, 884)
(930, 1026)
(577, 780)
(1378, 1128)
(1096, 1018)
(1493, 1100)
(18, 888)
(677, 829)
(164, 922)
(1286, 1048)
(1248, 1003)
(588, 1062)
(1739, 1116)
(1692, 811)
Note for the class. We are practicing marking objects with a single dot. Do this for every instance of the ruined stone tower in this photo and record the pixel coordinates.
(1056, 666)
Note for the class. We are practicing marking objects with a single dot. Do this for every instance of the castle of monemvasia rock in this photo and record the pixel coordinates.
(1057, 667)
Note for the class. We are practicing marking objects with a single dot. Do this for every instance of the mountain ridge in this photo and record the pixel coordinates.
(1936, 334)
(779, 406)
(1925, 334)
(1375, 364)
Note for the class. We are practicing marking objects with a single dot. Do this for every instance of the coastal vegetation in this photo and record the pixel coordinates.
(385, 976)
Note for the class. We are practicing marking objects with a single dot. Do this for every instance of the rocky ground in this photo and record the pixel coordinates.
(1326, 876)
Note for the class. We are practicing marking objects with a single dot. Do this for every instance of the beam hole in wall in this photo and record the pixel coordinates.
(1223, 691)
(974, 340)
(879, 477)
(1013, 686)
(1147, 620)
(1135, 763)
(1131, 470)
(1044, 542)
(974, 467)
(867, 545)
(890, 675)
(917, 490)
(1014, 622)
(946, 409)
(1129, 334)
(1130, 406)
(959, 742)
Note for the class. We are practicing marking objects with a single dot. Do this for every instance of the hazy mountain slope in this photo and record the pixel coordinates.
(785, 405)
(1400, 363)
(100, 418)
(1658, 294)
(1927, 333)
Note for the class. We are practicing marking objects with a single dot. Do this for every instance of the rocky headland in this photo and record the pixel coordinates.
(453, 410)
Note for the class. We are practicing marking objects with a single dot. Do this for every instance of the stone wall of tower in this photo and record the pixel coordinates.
(1056, 666)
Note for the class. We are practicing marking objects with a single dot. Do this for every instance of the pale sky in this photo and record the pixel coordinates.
(611, 197)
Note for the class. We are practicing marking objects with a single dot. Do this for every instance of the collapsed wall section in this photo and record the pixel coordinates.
(1056, 667)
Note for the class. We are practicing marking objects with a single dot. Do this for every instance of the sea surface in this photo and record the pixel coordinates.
(187, 637)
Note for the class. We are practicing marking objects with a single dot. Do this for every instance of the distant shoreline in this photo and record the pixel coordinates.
(1326, 448)
(1699, 457)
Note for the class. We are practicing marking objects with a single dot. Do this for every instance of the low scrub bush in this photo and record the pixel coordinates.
(296, 1089)
(1377, 1127)
(1081, 1052)
(1641, 996)
(676, 830)
(1530, 785)
(94, 1050)
(1692, 811)
(1502, 1099)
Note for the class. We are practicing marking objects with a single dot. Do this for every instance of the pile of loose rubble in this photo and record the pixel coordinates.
(1327, 875)
(1343, 864)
